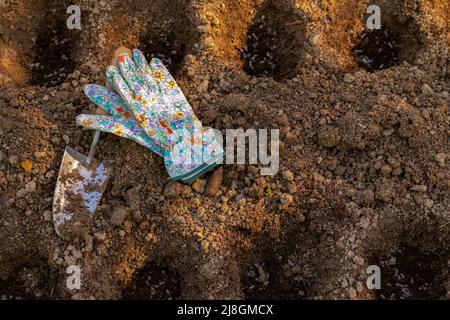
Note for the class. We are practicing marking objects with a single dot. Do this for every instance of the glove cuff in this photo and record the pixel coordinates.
(191, 158)
(191, 176)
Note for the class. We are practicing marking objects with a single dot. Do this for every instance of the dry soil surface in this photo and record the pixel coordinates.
(364, 172)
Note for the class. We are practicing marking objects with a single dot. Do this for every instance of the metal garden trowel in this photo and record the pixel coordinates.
(79, 189)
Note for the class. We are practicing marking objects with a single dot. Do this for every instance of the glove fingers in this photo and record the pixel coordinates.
(113, 104)
(173, 95)
(129, 73)
(145, 71)
(119, 127)
(148, 97)
(110, 72)
(166, 81)
(147, 100)
(120, 86)
(108, 100)
(147, 90)
(144, 107)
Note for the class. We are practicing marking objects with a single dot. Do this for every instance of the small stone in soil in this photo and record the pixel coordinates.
(47, 215)
(13, 160)
(118, 216)
(214, 183)
(199, 185)
(100, 235)
(30, 186)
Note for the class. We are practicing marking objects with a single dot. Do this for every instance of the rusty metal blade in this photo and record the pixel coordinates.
(78, 192)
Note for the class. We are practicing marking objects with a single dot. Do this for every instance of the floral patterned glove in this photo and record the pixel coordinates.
(167, 122)
(120, 121)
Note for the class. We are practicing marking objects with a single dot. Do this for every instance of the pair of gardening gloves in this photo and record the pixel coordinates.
(147, 106)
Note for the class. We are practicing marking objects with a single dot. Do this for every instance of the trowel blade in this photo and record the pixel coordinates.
(78, 192)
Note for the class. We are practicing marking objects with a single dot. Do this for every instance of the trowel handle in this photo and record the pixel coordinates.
(96, 136)
(93, 146)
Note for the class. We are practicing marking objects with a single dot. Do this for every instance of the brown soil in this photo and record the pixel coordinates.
(364, 158)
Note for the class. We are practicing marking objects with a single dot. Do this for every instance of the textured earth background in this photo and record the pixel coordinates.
(364, 158)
